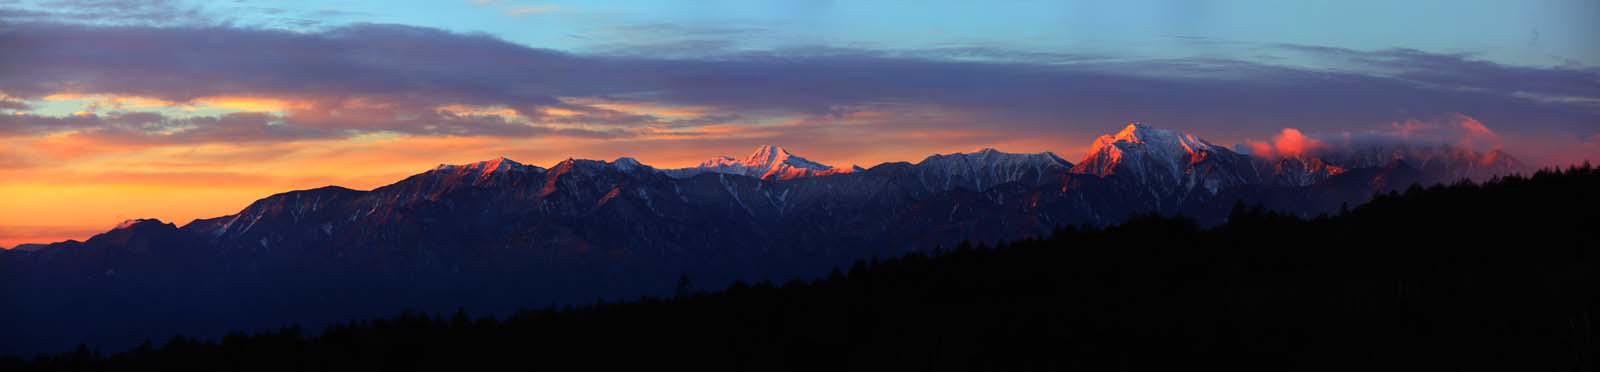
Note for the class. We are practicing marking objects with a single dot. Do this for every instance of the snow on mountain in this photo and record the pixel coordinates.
(768, 162)
(1298, 170)
(485, 169)
(628, 164)
(586, 229)
(1166, 159)
(988, 167)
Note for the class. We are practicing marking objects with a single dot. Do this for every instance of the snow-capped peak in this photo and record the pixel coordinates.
(989, 156)
(1169, 147)
(496, 165)
(1144, 134)
(766, 162)
(1137, 132)
(1147, 154)
(770, 156)
(987, 167)
(627, 164)
(485, 170)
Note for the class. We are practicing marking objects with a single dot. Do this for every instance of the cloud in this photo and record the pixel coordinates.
(1460, 71)
(371, 78)
(88, 133)
(1474, 129)
(530, 10)
(153, 128)
(1455, 131)
(1289, 143)
(134, 12)
(8, 104)
(23, 124)
(1454, 128)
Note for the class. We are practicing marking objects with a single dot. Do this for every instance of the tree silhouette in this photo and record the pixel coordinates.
(683, 289)
(1447, 277)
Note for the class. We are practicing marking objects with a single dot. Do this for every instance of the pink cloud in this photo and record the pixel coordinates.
(1474, 128)
(1286, 144)
(1456, 129)
(1411, 127)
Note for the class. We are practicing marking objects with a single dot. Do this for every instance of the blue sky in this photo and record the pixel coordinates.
(1525, 32)
(1531, 32)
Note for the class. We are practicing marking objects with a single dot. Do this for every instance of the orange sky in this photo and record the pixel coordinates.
(76, 198)
(106, 117)
(73, 184)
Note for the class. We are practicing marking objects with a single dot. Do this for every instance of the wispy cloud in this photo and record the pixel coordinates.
(526, 10)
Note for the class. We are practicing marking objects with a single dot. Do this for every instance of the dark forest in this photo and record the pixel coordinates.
(1499, 275)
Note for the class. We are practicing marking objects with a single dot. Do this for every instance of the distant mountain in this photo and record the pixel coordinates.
(496, 235)
(987, 168)
(1441, 160)
(1492, 277)
(1167, 160)
(1297, 171)
(29, 247)
(768, 162)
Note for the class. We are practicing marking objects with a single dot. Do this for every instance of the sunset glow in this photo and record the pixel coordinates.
(138, 116)
(463, 185)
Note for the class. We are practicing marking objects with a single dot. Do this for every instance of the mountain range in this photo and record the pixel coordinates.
(498, 235)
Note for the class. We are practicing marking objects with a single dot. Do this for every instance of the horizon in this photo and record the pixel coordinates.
(181, 110)
(798, 184)
(1242, 148)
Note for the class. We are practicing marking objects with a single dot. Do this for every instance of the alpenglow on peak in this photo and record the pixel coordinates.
(1163, 158)
(766, 162)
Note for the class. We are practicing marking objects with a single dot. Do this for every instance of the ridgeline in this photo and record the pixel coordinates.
(1466, 276)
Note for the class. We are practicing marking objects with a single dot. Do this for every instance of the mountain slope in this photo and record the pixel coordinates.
(987, 168)
(520, 235)
(1394, 283)
(1166, 160)
(767, 162)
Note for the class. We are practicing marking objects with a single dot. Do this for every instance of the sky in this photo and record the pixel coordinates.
(112, 110)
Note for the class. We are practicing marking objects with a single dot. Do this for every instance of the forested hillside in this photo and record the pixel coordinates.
(1493, 276)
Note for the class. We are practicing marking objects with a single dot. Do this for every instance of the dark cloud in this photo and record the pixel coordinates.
(29, 124)
(10, 104)
(171, 13)
(126, 12)
(1459, 71)
(151, 128)
(391, 78)
(155, 128)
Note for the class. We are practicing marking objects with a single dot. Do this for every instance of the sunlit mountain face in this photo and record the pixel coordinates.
(185, 167)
